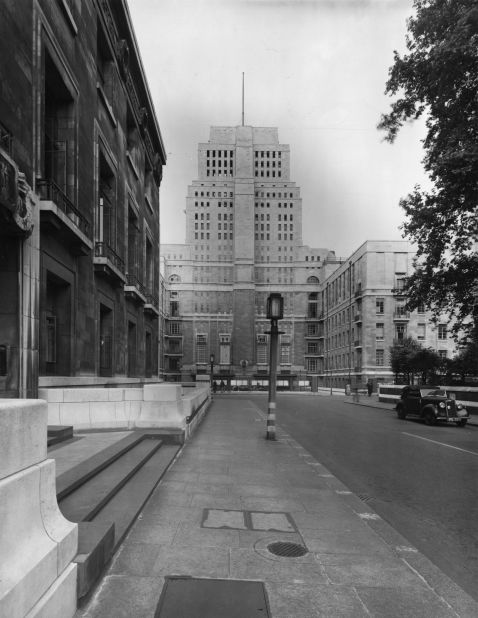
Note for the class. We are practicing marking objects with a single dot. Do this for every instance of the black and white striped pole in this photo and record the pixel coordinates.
(275, 312)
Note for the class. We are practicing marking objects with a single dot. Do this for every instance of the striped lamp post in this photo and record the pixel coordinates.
(275, 312)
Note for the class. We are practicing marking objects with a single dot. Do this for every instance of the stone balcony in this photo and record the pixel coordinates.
(58, 213)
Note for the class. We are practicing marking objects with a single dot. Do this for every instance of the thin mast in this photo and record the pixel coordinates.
(243, 99)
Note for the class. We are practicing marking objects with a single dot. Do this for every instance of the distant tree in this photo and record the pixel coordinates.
(401, 355)
(410, 359)
(425, 362)
(465, 362)
(438, 79)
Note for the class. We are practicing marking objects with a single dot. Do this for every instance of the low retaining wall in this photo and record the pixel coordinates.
(161, 405)
(326, 390)
(466, 395)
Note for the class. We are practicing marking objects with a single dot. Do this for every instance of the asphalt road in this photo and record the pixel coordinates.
(422, 480)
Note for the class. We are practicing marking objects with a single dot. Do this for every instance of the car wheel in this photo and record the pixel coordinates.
(429, 417)
(461, 423)
(401, 413)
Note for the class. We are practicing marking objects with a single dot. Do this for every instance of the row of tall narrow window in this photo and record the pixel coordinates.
(59, 160)
(267, 174)
(56, 336)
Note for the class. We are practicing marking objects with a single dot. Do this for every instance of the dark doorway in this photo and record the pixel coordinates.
(148, 369)
(106, 341)
(131, 349)
(56, 334)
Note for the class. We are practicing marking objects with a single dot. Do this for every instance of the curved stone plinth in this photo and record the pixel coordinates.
(37, 544)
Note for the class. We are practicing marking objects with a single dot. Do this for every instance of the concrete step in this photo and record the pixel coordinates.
(59, 433)
(95, 548)
(91, 496)
(125, 506)
(70, 480)
(106, 492)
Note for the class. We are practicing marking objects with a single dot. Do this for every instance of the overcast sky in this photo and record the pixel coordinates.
(316, 69)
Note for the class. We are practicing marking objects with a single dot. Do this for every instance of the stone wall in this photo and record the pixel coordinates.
(152, 405)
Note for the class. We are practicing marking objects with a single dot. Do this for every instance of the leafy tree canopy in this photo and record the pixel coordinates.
(409, 358)
(466, 360)
(438, 79)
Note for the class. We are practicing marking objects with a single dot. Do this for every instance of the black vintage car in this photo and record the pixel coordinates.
(430, 404)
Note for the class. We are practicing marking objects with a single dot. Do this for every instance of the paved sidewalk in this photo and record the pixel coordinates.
(230, 494)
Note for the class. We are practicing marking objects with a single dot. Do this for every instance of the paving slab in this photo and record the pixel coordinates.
(125, 597)
(250, 564)
(147, 559)
(366, 570)
(231, 496)
(167, 513)
(406, 602)
(222, 518)
(319, 600)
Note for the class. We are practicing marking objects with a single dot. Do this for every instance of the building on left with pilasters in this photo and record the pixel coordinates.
(81, 160)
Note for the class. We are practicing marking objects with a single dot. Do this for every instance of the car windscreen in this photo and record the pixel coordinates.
(435, 392)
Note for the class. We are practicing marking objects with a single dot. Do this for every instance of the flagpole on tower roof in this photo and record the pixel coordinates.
(243, 98)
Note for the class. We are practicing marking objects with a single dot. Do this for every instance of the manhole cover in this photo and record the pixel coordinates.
(288, 550)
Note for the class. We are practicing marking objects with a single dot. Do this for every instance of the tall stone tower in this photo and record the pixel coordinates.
(243, 240)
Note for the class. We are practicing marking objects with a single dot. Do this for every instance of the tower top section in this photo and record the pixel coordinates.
(230, 135)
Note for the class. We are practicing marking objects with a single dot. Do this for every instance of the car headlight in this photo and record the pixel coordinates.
(459, 406)
(442, 404)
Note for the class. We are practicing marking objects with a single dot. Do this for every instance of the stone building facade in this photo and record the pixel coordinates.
(243, 240)
(363, 314)
(78, 121)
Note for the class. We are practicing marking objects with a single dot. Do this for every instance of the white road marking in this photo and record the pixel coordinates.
(456, 448)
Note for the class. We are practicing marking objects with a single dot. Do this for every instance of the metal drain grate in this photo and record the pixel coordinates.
(287, 550)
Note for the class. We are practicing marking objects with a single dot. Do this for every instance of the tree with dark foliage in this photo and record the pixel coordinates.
(438, 79)
(465, 363)
(408, 358)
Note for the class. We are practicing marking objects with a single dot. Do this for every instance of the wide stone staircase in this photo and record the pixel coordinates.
(105, 492)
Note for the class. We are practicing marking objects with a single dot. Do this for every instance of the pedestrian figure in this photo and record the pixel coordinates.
(222, 386)
(214, 387)
(369, 387)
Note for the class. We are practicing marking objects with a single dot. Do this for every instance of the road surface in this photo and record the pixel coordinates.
(422, 480)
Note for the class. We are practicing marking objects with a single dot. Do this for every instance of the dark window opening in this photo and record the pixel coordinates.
(106, 211)
(148, 361)
(59, 147)
(131, 349)
(56, 333)
(106, 341)
(104, 65)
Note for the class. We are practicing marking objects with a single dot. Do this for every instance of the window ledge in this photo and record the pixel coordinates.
(148, 202)
(132, 164)
(68, 15)
(106, 103)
